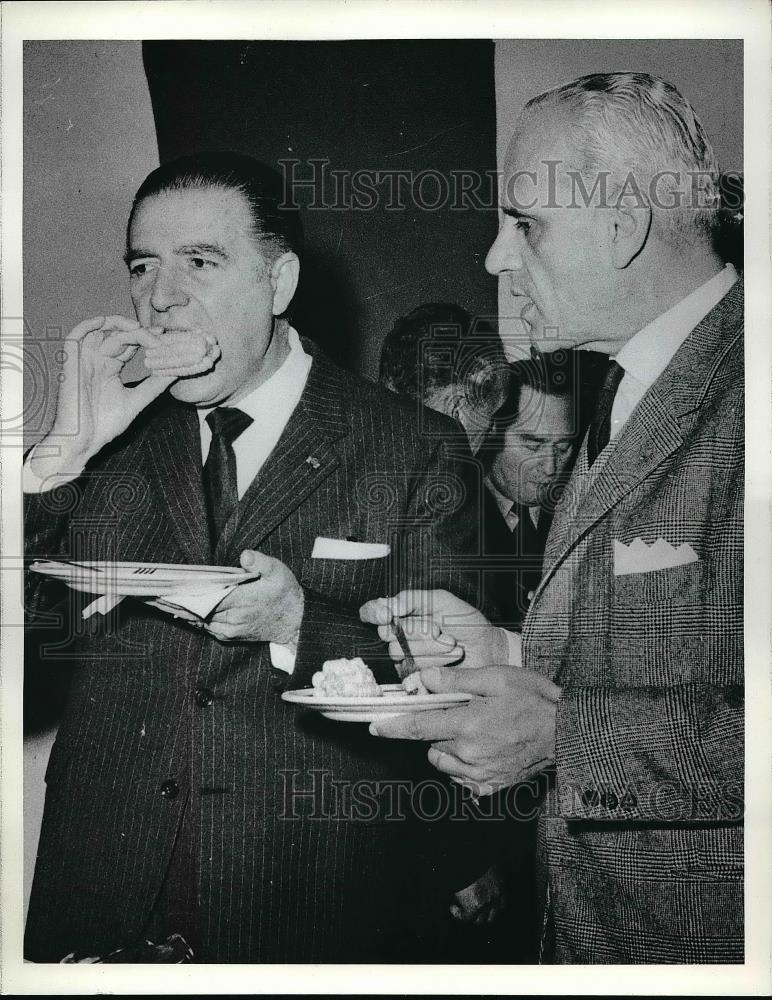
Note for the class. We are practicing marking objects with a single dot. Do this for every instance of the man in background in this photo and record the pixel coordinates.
(528, 454)
(435, 356)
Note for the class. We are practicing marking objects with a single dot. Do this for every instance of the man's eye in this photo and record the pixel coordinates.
(524, 225)
(200, 263)
(140, 267)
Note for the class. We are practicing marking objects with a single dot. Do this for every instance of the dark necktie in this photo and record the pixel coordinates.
(528, 556)
(600, 428)
(525, 532)
(528, 544)
(220, 483)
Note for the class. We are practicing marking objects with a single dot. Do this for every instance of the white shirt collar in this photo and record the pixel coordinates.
(648, 353)
(270, 405)
(276, 390)
(505, 504)
(510, 509)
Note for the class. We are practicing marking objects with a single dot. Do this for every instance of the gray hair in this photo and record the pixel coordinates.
(640, 127)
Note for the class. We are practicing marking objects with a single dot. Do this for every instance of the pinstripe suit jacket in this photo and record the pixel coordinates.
(290, 867)
(641, 843)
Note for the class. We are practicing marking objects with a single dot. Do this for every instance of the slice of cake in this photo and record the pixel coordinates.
(345, 679)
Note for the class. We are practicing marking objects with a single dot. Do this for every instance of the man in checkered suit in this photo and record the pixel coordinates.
(625, 690)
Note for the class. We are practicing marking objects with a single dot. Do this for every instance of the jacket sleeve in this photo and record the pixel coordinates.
(46, 526)
(667, 755)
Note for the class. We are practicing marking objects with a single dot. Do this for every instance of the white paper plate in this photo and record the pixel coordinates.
(135, 579)
(394, 701)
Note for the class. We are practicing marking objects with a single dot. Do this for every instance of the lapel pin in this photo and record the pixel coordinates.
(313, 461)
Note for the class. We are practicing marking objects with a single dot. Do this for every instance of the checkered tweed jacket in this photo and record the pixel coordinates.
(289, 869)
(641, 837)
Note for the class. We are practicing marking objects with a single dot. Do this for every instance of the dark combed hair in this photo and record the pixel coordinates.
(549, 374)
(577, 375)
(276, 225)
(434, 347)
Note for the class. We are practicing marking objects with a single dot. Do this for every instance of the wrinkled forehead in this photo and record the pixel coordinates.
(539, 162)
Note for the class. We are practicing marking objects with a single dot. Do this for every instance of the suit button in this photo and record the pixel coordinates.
(204, 697)
(170, 790)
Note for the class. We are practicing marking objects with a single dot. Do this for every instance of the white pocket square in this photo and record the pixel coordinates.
(638, 557)
(341, 548)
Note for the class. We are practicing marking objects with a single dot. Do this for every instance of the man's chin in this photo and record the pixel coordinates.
(547, 338)
(198, 389)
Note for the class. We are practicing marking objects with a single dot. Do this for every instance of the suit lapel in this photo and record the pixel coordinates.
(651, 435)
(173, 459)
(643, 445)
(303, 458)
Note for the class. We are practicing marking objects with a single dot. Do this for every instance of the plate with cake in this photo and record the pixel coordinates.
(346, 691)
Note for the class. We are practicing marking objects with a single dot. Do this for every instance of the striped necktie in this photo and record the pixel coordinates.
(220, 482)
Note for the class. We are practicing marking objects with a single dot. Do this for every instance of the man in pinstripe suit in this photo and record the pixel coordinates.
(626, 689)
(183, 794)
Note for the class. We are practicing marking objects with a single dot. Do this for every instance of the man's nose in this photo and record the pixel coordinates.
(167, 291)
(504, 254)
(549, 461)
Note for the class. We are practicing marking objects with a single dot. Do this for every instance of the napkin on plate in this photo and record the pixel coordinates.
(193, 603)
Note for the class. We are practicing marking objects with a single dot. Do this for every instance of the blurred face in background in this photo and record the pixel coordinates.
(473, 406)
(537, 449)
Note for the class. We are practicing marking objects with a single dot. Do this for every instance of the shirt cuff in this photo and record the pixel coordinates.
(31, 483)
(282, 657)
(514, 647)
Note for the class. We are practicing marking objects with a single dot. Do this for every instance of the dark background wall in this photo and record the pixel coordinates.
(377, 106)
(89, 140)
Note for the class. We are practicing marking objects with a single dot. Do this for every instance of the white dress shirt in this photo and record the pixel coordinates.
(507, 507)
(644, 357)
(648, 353)
(270, 405)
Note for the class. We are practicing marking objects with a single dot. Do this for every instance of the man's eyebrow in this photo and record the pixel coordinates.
(514, 213)
(214, 249)
(211, 248)
(133, 253)
(553, 438)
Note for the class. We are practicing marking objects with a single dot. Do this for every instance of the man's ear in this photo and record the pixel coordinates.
(630, 226)
(285, 274)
